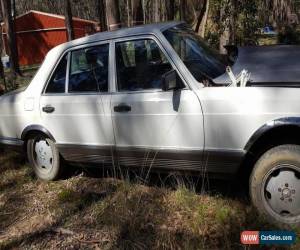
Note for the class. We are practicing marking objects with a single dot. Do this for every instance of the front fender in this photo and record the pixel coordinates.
(282, 122)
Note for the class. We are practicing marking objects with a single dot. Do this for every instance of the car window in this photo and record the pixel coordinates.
(140, 65)
(58, 80)
(89, 69)
(202, 61)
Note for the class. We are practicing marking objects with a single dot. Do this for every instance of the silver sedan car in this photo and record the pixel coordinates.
(157, 97)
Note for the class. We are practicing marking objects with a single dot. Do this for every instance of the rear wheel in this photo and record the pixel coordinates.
(44, 158)
(275, 185)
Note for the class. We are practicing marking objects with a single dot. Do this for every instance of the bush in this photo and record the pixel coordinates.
(289, 35)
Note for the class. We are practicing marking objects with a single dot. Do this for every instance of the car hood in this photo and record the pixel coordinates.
(268, 65)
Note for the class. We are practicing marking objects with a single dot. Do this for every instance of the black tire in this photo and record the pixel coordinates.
(55, 168)
(275, 185)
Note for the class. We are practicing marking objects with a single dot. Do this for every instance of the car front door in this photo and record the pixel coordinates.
(75, 106)
(153, 128)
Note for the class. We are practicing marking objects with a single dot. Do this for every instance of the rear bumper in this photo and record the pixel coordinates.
(11, 143)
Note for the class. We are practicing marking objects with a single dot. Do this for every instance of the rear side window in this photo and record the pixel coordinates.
(57, 82)
(89, 69)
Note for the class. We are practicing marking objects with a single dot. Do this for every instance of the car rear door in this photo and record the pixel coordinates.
(153, 128)
(75, 106)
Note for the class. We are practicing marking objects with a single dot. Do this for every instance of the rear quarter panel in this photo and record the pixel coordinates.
(13, 115)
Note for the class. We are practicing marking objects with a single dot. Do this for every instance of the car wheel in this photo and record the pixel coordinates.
(44, 158)
(275, 185)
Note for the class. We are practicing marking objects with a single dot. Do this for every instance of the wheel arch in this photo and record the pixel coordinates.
(274, 133)
(35, 129)
(280, 128)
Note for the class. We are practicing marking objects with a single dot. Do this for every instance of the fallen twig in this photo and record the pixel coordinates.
(63, 231)
(89, 241)
(8, 213)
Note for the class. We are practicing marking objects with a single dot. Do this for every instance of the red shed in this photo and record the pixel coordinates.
(38, 32)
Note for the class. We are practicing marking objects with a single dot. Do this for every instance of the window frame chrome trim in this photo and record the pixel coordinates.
(112, 65)
(67, 72)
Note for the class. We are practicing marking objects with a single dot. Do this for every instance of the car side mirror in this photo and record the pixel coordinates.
(171, 81)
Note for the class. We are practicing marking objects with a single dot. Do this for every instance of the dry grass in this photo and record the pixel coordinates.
(108, 213)
(268, 40)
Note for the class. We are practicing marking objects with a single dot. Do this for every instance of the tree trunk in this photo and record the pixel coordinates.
(204, 20)
(101, 14)
(144, 11)
(225, 27)
(137, 12)
(170, 6)
(68, 21)
(156, 11)
(113, 14)
(11, 37)
(14, 10)
(2, 75)
(201, 15)
(182, 9)
(233, 17)
(129, 10)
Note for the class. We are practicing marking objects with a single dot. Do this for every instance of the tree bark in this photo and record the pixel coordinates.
(129, 10)
(144, 11)
(137, 12)
(2, 75)
(201, 15)
(69, 21)
(11, 37)
(225, 27)
(170, 6)
(113, 15)
(14, 10)
(101, 14)
(156, 11)
(182, 9)
(204, 20)
(233, 17)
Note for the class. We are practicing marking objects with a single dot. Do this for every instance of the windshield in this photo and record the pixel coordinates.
(202, 61)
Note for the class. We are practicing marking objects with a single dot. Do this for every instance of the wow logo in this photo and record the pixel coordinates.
(268, 237)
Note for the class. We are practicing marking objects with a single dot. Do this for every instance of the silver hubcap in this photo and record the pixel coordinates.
(44, 155)
(282, 191)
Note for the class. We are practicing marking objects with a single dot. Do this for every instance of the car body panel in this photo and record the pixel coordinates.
(79, 119)
(14, 117)
(159, 120)
(232, 115)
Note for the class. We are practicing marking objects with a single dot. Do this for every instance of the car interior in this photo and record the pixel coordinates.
(140, 65)
(89, 70)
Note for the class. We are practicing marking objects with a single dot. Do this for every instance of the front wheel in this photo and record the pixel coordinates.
(44, 158)
(275, 185)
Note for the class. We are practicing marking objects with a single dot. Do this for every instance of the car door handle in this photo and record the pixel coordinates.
(122, 108)
(48, 109)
